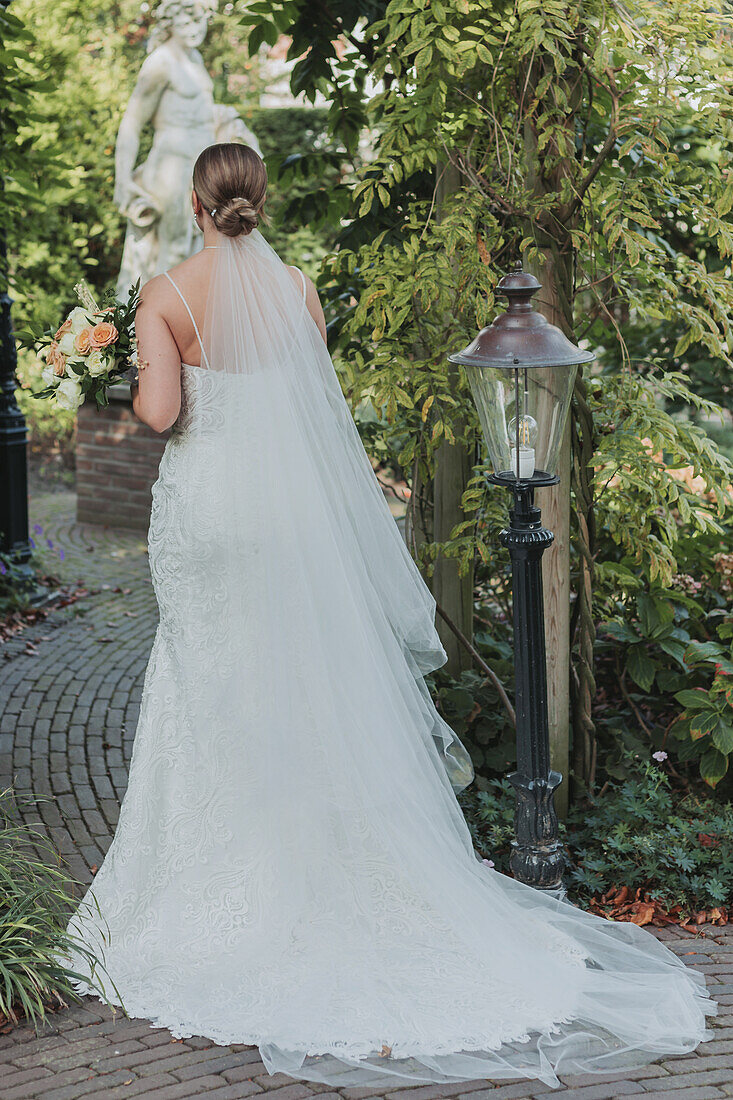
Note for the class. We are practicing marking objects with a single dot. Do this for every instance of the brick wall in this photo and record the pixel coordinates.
(117, 461)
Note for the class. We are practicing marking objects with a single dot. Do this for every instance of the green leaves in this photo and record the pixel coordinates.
(640, 666)
(693, 700)
(640, 834)
(647, 465)
(713, 766)
(708, 711)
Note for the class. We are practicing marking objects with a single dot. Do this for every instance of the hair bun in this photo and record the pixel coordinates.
(235, 217)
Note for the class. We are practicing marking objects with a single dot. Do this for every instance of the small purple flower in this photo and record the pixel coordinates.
(33, 545)
(49, 544)
(3, 568)
(62, 555)
(660, 756)
(37, 528)
(489, 863)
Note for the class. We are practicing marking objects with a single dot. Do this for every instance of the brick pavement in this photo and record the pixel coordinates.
(71, 704)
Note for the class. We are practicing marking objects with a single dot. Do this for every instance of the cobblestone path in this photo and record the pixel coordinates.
(69, 706)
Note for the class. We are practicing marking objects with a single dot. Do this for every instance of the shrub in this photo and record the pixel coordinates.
(640, 833)
(35, 901)
(643, 835)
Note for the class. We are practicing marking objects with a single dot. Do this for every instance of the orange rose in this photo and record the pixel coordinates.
(64, 328)
(103, 334)
(56, 359)
(83, 341)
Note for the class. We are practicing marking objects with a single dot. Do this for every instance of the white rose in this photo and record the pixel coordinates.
(66, 343)
(68, 394)
(79, 318)
(48, 376)
(96, 364)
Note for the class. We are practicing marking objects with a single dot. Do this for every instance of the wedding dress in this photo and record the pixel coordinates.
(291, 867)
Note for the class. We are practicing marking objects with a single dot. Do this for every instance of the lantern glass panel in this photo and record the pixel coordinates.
(527, 406)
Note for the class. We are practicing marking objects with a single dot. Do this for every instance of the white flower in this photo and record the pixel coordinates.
(68, 394)
(48, 375)
(79, 318)
(97, 364)
(66, 343)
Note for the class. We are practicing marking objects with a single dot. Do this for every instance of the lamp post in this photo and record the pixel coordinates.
(521, 370)
(14, 539)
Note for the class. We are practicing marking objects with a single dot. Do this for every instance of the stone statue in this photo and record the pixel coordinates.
(175, 92)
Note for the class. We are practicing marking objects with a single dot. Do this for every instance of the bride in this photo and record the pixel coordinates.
(291, 867)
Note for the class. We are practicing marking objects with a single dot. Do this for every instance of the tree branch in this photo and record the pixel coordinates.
(602, 155)
(481, 663)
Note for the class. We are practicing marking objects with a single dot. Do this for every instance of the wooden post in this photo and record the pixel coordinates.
(453, 465)
(555, 504)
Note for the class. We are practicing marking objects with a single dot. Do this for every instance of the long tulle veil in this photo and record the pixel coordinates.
(257, 327)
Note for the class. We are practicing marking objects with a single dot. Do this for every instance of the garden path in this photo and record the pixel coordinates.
(71, 687)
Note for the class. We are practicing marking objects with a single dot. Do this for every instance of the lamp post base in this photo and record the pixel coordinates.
(537, 857)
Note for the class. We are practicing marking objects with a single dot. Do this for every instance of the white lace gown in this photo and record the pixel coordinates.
(291, 867)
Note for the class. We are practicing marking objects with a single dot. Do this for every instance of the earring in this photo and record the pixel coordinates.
(196, 221)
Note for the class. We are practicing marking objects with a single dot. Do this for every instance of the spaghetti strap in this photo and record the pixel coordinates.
(190, 314)
(302, 279)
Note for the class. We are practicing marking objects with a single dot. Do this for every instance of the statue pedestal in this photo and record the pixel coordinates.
(117, 461)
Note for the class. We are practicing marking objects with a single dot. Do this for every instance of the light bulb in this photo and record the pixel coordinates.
(527, 431)
(523, 463)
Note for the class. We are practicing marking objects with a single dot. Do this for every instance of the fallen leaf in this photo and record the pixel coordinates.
(643, 915)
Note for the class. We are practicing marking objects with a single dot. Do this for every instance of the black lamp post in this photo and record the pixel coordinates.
(521, 370)
(14, 540)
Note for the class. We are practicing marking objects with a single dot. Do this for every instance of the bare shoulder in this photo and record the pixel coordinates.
(298, 276)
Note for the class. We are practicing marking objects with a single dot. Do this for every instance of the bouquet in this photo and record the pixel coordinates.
(94, 348)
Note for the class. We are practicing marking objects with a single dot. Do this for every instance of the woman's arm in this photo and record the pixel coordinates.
(312, 301)
(156, 398)
(314, 307)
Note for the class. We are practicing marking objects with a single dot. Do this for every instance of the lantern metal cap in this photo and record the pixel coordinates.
(521, 337)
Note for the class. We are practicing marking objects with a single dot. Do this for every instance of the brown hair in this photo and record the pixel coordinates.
(231, 181)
